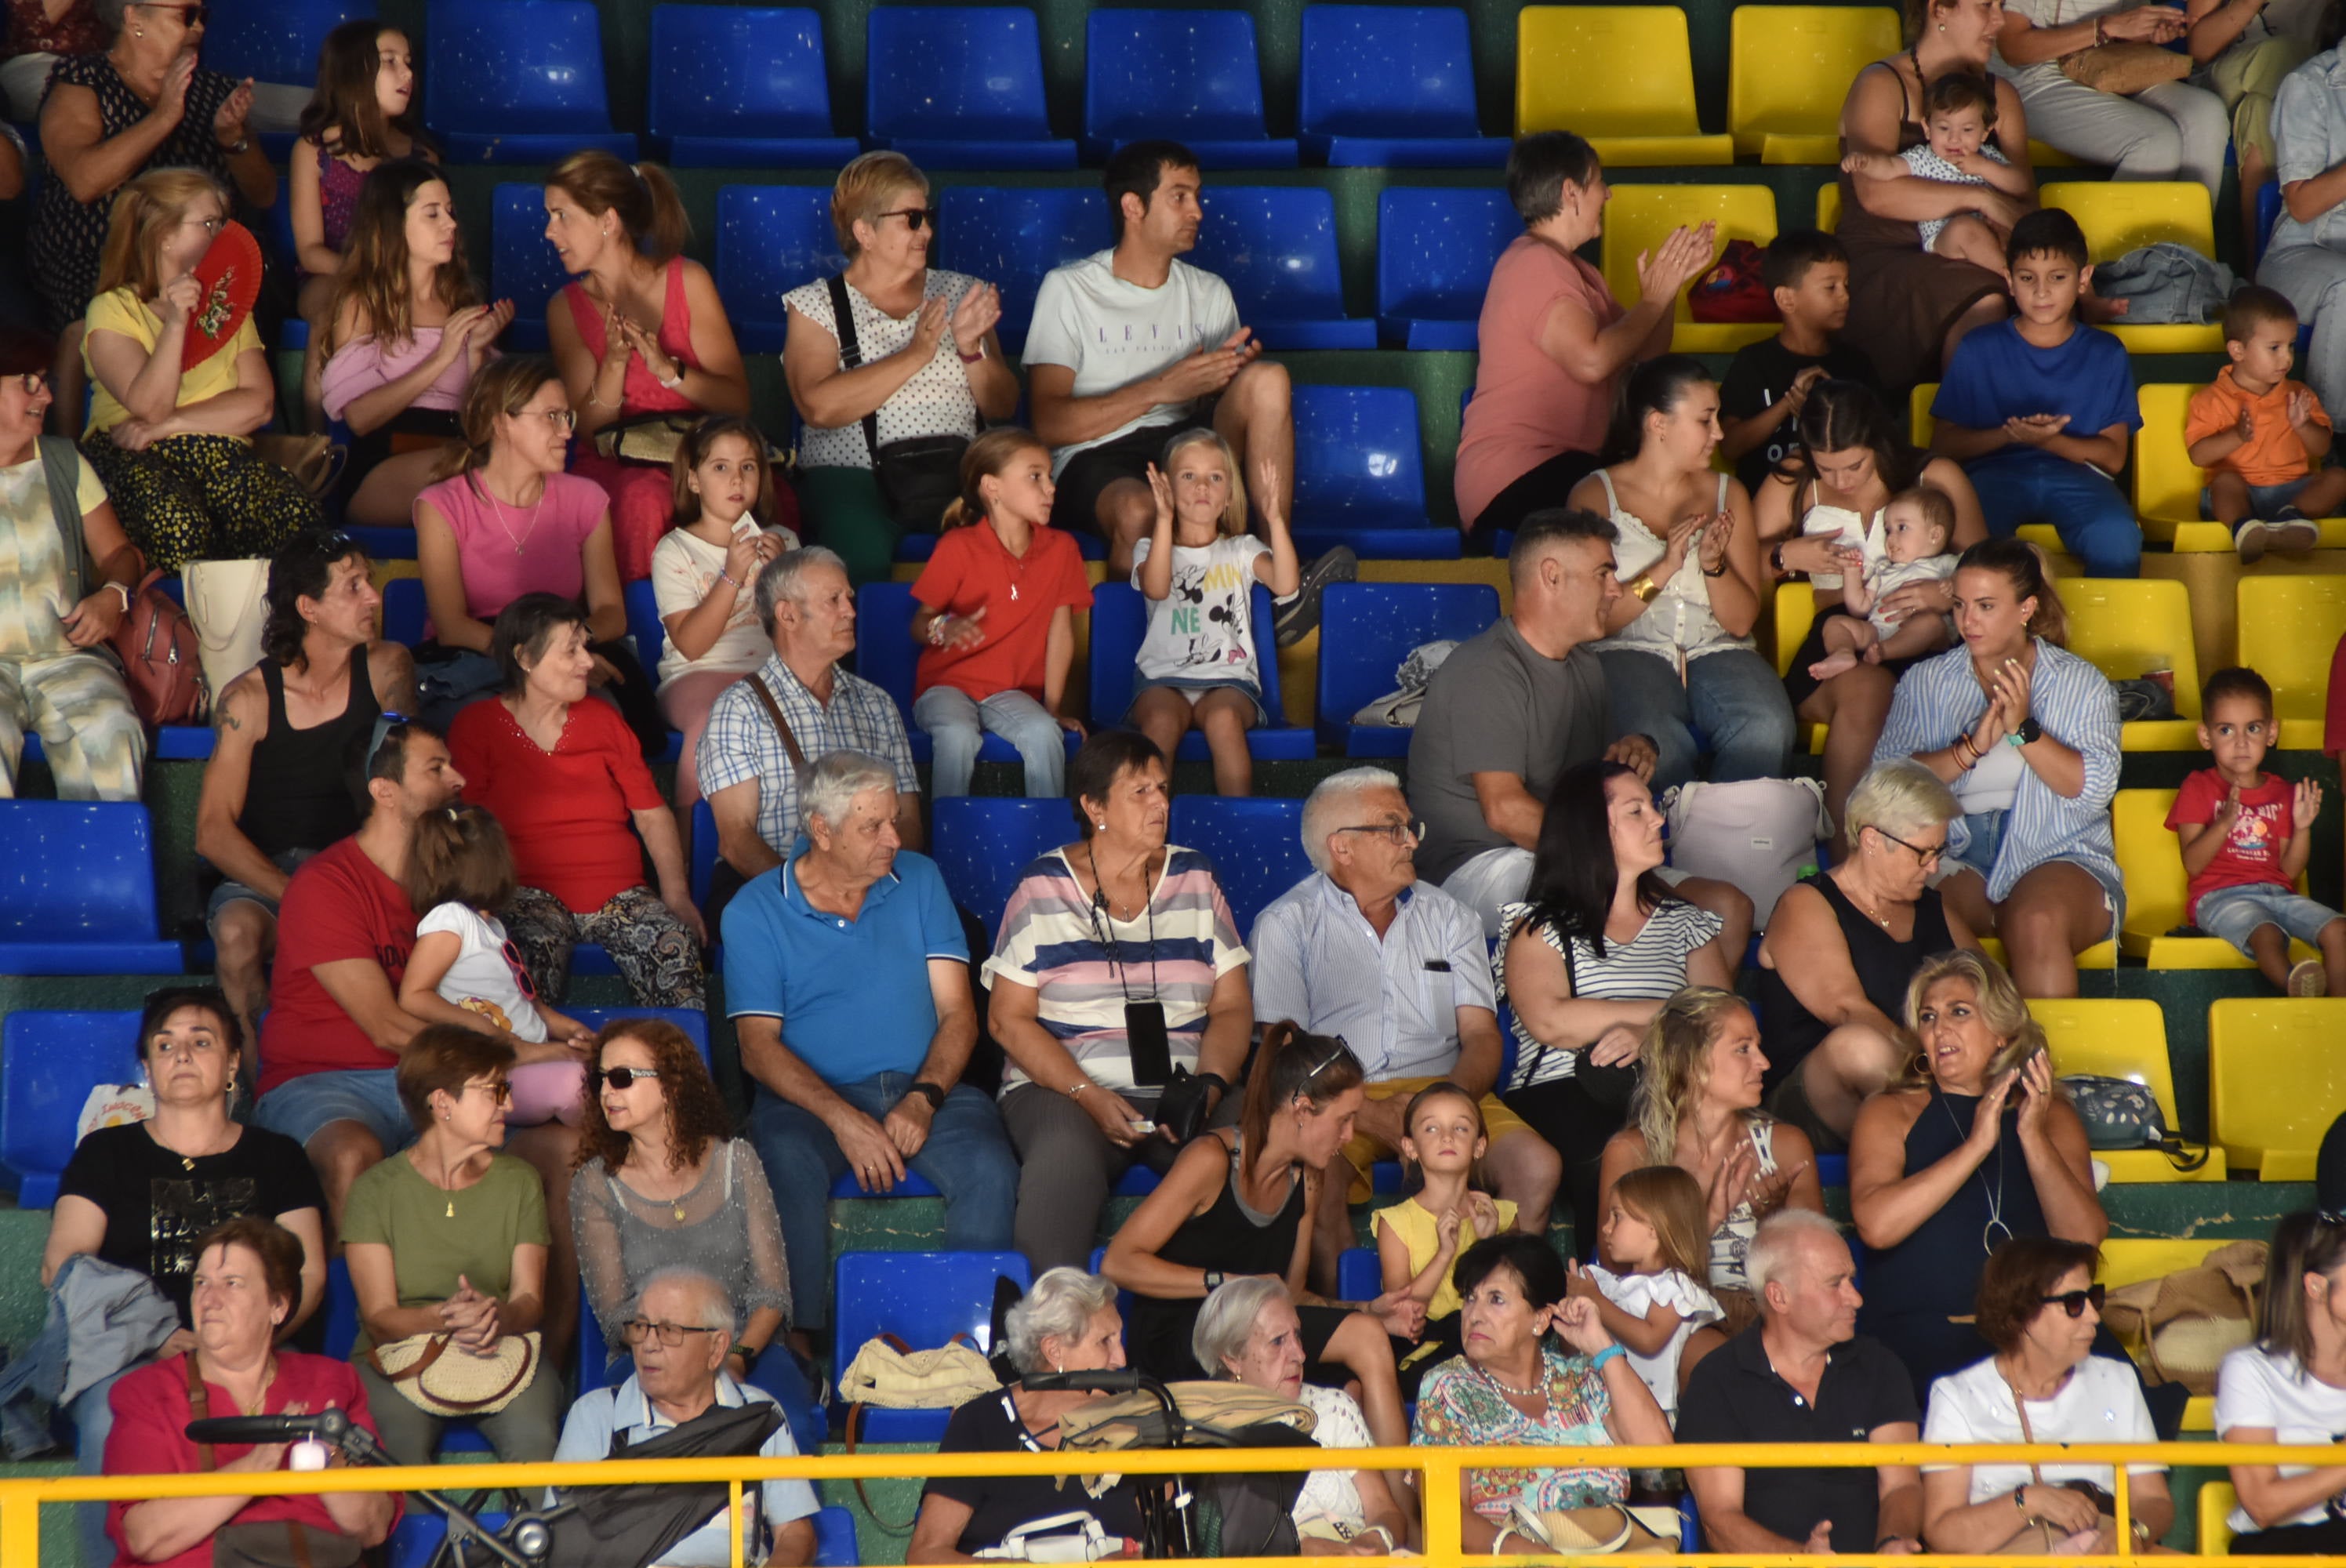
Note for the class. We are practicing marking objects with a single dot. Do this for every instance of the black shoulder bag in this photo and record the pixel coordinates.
(919, 476)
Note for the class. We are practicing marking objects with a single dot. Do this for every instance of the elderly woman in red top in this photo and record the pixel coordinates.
(565, 777)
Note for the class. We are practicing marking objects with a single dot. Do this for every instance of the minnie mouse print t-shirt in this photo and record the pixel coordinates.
(1199, 631)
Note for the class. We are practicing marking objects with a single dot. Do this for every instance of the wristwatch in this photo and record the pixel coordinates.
(2029, 733)
(1213, 1280)
(929, 1091)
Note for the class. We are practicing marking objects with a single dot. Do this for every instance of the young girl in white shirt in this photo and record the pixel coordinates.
(464, 970)
(1197, 569)
(1655, 1241)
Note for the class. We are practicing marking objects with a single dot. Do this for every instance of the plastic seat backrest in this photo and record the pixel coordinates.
(1190, 73)
(77, 871)
(694, 1024)
(49, 1062)
(2217, 1500)
(642, 604)
(523, 266)
(885, 654)
(1387, 71)
(1358, 459)
(519, 65)
(956, 72)
(2128, 1259)
(1119, 621)
(834, 1539)
(2276, 1079)
(277, 41)
(404, 610)
(980, 843)
(1367, 629)
(2111, 1037)
(1275, 246)
(2148, 858)
(1788, 67)
(1604, 70)
(1435, 249)
(2120, 216)
(1640, 217)
(1256, 843)
(2126, 629)
(770, 240)
(924, 1298)
(2289, 627)
(738, 70)
(1012, 237)
(2166, 482)
(1796, 611)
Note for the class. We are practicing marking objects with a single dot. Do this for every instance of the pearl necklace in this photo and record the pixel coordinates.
(1535, 1391)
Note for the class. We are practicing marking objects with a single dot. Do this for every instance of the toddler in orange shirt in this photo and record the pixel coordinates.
(2261, 437)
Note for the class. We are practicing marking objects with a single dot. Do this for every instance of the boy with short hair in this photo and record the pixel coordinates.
(2039, 408)
(2244, 835)
(2261, 436)
(1806, 274)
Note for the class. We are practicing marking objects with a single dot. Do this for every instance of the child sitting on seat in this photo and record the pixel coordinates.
(1916, 528)
(1420, 1238)
(1649, 1290)
(1760, 402)
(1959, 116)
(2262, 437)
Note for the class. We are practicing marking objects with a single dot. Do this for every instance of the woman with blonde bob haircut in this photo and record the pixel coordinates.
(1697, 1107)
(171, 440)
(1975, 1144)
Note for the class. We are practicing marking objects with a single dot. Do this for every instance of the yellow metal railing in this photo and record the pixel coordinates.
(21, 1497)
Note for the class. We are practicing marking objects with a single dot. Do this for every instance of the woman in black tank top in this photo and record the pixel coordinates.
(1841, 946)
(1235, 1202)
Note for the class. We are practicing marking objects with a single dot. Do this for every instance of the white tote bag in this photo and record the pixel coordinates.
(1757, 834)
(228, 602)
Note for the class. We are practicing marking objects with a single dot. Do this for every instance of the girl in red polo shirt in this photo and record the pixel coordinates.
(998, 603)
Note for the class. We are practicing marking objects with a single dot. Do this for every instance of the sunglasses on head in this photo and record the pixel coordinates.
(2075, 1302)
(623, 1078)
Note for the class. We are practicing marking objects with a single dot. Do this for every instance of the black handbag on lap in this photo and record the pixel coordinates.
(919, 476)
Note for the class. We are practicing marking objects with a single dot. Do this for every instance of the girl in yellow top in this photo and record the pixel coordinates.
(1419, 1240)
(171, 442)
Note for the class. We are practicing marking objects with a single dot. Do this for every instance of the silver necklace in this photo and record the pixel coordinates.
(498, 507)
(1995, 1193)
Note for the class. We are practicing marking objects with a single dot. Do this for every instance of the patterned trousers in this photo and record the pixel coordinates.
(650, 947)
(78, 704)
(201, 498)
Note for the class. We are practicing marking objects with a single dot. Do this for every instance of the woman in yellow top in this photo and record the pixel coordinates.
(172, 443)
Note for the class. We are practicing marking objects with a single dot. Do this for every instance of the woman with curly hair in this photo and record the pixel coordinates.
(662, 1182)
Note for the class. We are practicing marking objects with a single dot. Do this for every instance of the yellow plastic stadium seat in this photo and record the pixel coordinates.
(1796, 607)
(2276, 1080)
(2127, 1260)
(2103, 954)
(2217, 1500)
(2289, 627)
(1640, 217)
(1828, 195)
(1787, 69)
(1918, 412)
(1621, 75)
(2126, 629)
(2151, 859)
(2121, 1038)
(2120, 216)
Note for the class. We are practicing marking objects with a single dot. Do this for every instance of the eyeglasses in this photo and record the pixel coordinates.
(501, 1092)
(915, 218)
(1929, 854)
(1392, 832)
(2075, 1302)
(189, 15)
(560, 418)
(671, 1335)
(622, 1079)
(34, 383)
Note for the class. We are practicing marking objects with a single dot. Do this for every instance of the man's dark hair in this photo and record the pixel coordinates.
(1791, 254)
(384, 755)
(2236, 681)
(304, 569)
(2048, 231)
(2252, 307)
(524, 626)
(1538, 167)
(1138, 168)
(1540, 529)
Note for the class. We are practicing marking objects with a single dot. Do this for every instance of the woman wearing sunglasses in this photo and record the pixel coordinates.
(925, 361)
(662, 1183)
(2039, 1307)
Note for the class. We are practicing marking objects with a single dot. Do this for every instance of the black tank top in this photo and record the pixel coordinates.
(1935, 1272)
(1789, 1031)
(1227, 1238)
(298, 796)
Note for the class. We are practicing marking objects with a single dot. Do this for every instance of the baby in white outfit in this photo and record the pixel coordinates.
(1916, 528)
(1959, 116)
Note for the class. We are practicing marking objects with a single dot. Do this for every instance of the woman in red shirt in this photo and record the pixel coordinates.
(566, 777)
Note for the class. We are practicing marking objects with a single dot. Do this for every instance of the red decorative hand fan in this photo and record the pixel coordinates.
(230, 279)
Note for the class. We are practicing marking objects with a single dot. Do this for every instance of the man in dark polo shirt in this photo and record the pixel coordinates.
(1802, 1375)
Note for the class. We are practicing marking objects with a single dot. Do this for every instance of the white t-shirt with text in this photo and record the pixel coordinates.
(1112, 333)
(1200, 630)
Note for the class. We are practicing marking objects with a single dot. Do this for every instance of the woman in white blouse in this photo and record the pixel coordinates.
(1679, 655)
(2038, 1306)
(2290, 1386)
(926, 359)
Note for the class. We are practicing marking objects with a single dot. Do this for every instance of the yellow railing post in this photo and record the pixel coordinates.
(20, 1524)
(2121, 1492)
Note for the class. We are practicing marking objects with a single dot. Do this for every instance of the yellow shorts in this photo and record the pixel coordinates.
(1364, 1151)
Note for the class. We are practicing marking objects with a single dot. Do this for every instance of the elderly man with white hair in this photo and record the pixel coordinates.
(847, 978)
(1803, 1374)
(1397, 967)
(677, 1328)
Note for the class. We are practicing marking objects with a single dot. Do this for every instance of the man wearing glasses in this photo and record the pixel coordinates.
(1362, 950)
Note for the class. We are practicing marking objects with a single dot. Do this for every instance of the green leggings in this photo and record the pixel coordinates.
(2246, 76)
(842, 510)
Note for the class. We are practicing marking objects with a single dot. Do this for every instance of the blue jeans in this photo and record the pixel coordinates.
(1733, 698)
(967, 1158)
(956, 724)
(2096, 524)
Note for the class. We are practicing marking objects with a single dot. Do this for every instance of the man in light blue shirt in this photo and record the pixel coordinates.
(1399, 968)
(678, 1332)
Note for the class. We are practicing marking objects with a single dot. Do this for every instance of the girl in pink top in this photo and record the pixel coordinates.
(1554, 340)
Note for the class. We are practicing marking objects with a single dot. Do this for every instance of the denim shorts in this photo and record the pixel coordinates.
(228, 892)
(1984, 837)
(2264, 500)
(2234, 914)
(301, 1107)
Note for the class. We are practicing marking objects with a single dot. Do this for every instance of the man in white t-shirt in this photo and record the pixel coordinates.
(1131, 345)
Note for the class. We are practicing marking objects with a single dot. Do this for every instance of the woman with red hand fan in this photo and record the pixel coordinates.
(183, 381)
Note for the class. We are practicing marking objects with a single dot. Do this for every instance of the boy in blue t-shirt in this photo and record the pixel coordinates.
(2037, 408)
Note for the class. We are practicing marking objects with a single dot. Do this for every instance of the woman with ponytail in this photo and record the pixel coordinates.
(640, 333)
(1234, 1205)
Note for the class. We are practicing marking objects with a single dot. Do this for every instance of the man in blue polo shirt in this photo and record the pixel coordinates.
(848, 982)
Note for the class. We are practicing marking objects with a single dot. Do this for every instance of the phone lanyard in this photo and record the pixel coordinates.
(1103, 931)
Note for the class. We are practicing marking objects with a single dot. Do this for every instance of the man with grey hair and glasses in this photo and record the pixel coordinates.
(847, 977)
(1803, 1374)
(1361, 949)
(678, 1329)
(764, 727)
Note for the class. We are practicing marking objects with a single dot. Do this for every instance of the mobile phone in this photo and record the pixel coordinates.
(1142, 1126)
(1145, 1038)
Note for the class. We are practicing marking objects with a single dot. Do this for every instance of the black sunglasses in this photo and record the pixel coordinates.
(623, 1078)
(2075, 1302)
(189, 15)
(915, 218)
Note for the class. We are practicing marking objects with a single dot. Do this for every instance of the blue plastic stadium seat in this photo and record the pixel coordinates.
(694, 1024)
(517, 81)
(49, 1062)
(420, 1533)
(385, 543)
(704, 857)
(834, 1539)
(2268, 214)
(1012, 237)
(1366, 630)
(1275, 246)
(1391, 86)
(1188, 75)
(1256, 843)
(770, 240)
(173, 743)
(1435, 250)
(1359, 1276)
(886, 655)
(404, 610)
(275, 41)
(924, 1298)
(1360, 476)
(959, 87)
(523, 266)
(78, 890)
(741, 87)
(1121, 619)
(980, 843)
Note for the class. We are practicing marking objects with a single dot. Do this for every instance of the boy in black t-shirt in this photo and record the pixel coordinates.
(1759, 404)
